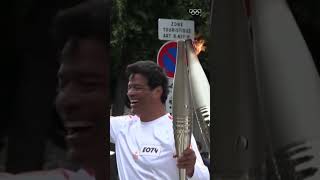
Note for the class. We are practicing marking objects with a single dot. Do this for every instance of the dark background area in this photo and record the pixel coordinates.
(28, 117)
(307, 15)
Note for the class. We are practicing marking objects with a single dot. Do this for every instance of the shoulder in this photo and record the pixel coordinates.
(168, 119)
(123, 117)
(166, 125)
(123, 121)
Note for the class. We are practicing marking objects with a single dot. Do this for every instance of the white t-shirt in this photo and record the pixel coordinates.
(145, 150)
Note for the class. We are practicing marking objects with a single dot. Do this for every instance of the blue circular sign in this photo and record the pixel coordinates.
(167, 56)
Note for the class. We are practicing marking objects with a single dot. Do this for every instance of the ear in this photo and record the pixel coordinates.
(157, 92)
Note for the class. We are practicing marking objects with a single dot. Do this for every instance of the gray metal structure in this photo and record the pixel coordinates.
(266, 94)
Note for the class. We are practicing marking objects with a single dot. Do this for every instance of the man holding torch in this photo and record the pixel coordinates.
(145, 143)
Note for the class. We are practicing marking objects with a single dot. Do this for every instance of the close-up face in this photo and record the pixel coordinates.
(140, 95)
(83, 95)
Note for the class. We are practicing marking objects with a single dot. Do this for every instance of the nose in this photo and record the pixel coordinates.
(131, 92)
(66, 103)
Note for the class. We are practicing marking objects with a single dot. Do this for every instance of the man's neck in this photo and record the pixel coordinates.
(154, 114)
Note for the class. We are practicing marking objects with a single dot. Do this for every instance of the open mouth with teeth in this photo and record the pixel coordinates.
(133, 102)
(75, 130)
(78, 127)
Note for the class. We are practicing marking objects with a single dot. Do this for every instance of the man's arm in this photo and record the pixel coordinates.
(117, 123)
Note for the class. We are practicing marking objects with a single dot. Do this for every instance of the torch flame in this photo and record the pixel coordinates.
(198, 45)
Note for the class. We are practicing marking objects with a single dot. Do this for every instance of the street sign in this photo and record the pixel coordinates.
(167, 60)
(174, 29)
(167, 57)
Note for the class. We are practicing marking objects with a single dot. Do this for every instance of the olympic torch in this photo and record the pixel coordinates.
(200, 91)
(289, 87)
(181, 109)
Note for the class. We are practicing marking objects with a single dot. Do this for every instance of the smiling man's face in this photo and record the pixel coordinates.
(83, 96)
(142, 98)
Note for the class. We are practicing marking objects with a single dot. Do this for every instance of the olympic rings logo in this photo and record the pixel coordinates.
(196, 12)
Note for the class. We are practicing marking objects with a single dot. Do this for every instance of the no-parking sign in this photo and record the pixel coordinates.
(167, 57)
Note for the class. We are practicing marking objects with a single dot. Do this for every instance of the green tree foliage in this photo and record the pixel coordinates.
(135, 28)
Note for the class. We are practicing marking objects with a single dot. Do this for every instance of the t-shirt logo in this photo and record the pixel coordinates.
(150, 150)
(135, 155)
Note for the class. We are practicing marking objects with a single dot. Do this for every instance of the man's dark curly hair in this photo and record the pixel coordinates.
(154, 74)
(89, 19)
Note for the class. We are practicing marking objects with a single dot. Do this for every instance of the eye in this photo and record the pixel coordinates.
(89, 85)
(135, 88)
(138, 88)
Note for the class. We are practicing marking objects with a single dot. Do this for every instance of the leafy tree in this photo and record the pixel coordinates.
(135, 34)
